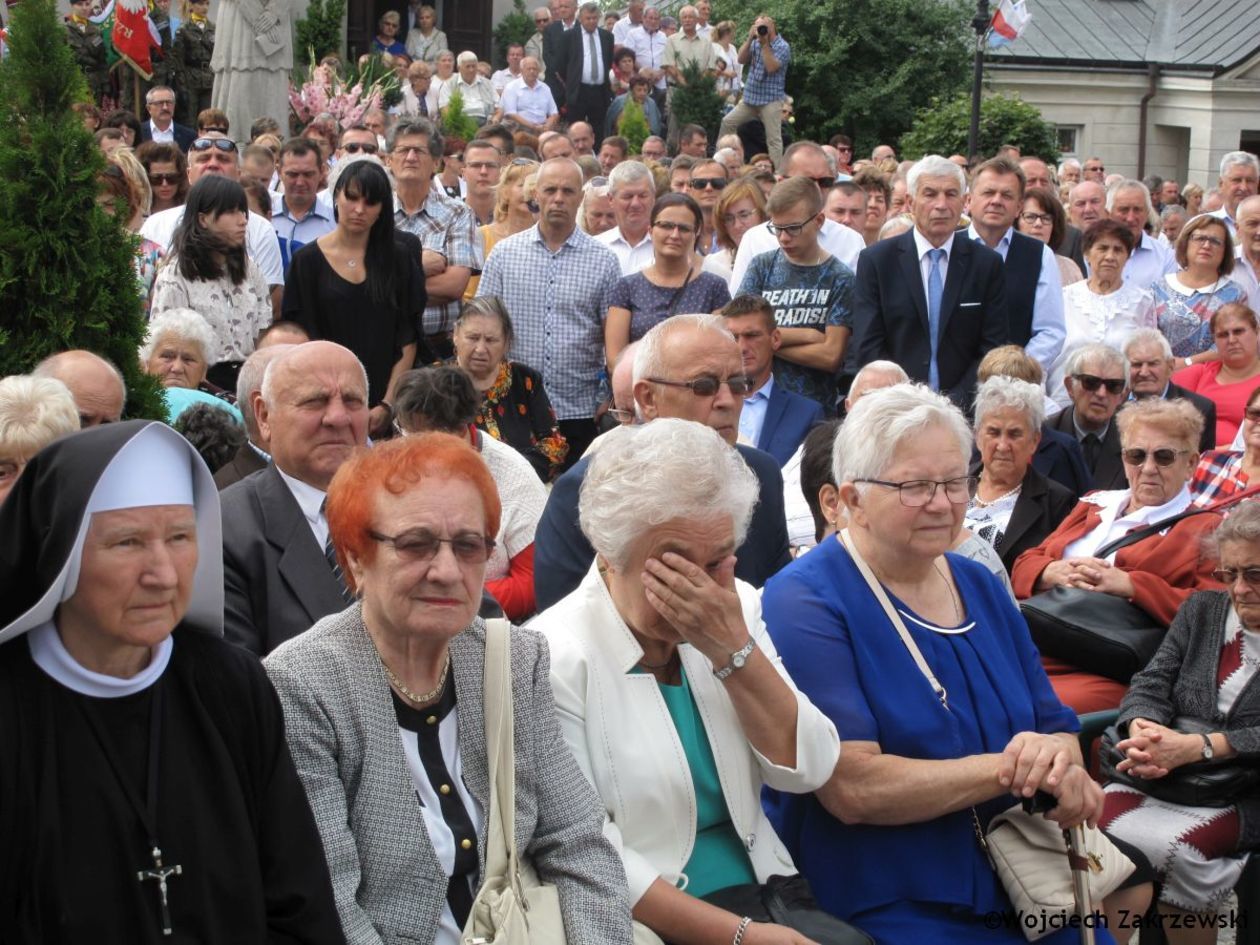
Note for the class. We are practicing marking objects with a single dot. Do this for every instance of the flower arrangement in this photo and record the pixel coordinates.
(326, 92)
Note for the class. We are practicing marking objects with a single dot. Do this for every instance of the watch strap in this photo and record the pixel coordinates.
(1207, 746)
(737, 660)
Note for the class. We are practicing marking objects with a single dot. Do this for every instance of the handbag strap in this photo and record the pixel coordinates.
(501, 860)
(895, 618)
(1147, 531)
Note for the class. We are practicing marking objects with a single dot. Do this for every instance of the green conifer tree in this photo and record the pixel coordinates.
(633, 126)
(455, 123)
(66, 274)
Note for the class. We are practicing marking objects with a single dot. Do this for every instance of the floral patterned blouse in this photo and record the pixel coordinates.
(517, 411)
(1184, 314)
(237, 313)
(146, 262)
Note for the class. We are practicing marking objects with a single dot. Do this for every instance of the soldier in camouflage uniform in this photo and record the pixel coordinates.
(190, 65)
(88, 45)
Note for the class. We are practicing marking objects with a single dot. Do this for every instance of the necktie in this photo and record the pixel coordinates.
(330, 555)
(935, 290)
(1090, 446)
(594, 76)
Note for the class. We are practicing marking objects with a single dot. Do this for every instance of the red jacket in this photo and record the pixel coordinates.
(1165, 569)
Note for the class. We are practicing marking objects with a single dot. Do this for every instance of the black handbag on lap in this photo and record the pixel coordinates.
(788, 900)
(1202, 784)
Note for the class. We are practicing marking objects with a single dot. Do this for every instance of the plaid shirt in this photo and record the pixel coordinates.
(557, 302)
(763, 87)
(1218, 476)
(448, 227)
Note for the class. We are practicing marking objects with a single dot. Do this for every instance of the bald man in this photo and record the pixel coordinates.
(95, 384)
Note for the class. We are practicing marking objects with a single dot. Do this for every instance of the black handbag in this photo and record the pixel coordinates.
(788, 900)
(1201, 784)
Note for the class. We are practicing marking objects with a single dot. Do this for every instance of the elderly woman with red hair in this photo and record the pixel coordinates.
(384, 706)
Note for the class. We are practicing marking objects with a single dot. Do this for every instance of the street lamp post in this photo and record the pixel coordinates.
(980, 23)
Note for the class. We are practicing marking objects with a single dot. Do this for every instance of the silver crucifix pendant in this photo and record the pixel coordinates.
(160, 873)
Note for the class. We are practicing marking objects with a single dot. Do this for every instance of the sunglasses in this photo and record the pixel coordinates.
(161, 180)
(1164, 456)
(1091, 383)
(1228, 576)
(354, 148)
(223, 144)
(421, 545)
(824, 183)
(708, 385)
(703, 183)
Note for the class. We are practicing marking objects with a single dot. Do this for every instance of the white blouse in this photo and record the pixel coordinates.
(1091, 318)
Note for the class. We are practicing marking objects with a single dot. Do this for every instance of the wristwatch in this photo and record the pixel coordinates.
(1207, 746)
(738, 659)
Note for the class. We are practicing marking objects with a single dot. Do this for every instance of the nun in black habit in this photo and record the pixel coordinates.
(146, 790)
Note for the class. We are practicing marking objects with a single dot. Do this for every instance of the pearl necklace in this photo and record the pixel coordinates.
(1005, 495)
(422, 698)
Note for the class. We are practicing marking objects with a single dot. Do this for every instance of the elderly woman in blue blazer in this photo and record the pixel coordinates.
(383, 707)
(670, 693)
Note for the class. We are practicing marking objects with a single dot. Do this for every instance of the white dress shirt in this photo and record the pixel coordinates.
(633, 257)
(1048, 330)
(591, 46)
(160, 136)
(501, 79)
(261, 242)
(840, 241)
(1149, 263)
(1248, 279)
(311, 501)
(622, 29)
(534, 103)
(1223, 215)
(649, 50)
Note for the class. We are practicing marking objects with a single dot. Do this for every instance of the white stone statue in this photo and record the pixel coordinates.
(253, 53)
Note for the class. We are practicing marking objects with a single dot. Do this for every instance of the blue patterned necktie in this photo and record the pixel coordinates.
(935, 290)
(330, 555)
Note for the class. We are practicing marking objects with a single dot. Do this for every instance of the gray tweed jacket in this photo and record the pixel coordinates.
(343, 734)
(1181, 680)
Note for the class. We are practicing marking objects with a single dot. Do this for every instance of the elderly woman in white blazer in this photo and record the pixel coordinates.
(669, 691)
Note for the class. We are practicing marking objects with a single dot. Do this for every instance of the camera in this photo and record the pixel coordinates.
(762, 30)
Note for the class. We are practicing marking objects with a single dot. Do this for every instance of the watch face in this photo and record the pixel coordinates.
(738, 660)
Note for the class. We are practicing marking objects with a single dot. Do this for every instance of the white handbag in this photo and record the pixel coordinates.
(513, 906)
(1048, 873)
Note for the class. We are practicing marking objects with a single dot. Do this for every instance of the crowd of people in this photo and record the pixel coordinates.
(758, 446)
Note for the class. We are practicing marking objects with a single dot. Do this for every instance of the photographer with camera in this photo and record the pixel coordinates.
(769, 55)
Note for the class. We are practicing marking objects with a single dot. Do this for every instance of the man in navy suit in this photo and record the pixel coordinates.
(931, 300)
(678, 364)
(588, 50)
(161, 125)
(773, 418)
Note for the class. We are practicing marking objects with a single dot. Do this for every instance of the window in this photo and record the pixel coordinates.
(1067, 136)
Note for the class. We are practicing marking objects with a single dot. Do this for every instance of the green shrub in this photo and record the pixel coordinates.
(319, 32)
(942, 128)
(632, 125)
(455, 122)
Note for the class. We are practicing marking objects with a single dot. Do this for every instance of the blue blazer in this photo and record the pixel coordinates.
(891, 319)
(789, 417)
(562, 555)
(1059, 457)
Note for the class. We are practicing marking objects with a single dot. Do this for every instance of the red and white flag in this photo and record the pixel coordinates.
(1009, 22)
(135, 35)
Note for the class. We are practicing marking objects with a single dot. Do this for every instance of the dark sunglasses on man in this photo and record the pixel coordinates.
(701, 183)
(1091, 382)
(707, 385)
(354, 147)
(205, 144)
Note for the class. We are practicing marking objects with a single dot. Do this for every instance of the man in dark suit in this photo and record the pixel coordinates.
(931, 300)
(587, 58)
(279, 575)
(161, 126)
(773, 417)
(554, 47)
(253, 455)
(674, 358)
(1150, 372)
(1097, 380)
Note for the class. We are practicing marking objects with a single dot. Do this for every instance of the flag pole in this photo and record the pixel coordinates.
(980, 23)
(135, 90)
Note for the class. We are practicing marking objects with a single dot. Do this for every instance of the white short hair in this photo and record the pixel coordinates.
(34, 411)
(628, 173)
(186, 325)
(878, 424)
(1245, 158)
(1129, 183)
(649, 360)
(1070, 162)
(1095, 352)
(1002, 393)
(669, 469)
(1148, 336)
(466, 56)
(933, 165)
(881, 368)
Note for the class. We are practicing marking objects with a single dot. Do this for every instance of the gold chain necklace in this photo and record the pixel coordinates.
(422, 698)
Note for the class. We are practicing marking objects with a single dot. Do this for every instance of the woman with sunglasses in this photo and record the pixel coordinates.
(167, 168)
(1185, 300)
(674, 283)
(1230, 381)
(1159, 442)
(1103, 309)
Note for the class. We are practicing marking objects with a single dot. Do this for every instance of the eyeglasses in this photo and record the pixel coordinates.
(916, 493)
(708, 385)
(744, 216)
(1032, 219)
(842, 147)
(402, 150)
(159, 180)
(355, 147)
(704, 183)
(482, 165)
(1229, 576)
(824, 183)
(205, 144)
(1203, 239)
(683, 229)
(168, 102)
(421, 545)
(791, 229)
(1164, 456)
(1091, 383)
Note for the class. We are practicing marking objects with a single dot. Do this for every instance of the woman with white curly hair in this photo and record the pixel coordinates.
(670, 694)
(179, 346)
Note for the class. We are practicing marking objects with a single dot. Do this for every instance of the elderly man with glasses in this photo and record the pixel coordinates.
(1097, 380)
(161, 126)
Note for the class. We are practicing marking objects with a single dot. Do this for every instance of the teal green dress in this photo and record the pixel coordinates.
(718, 858)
